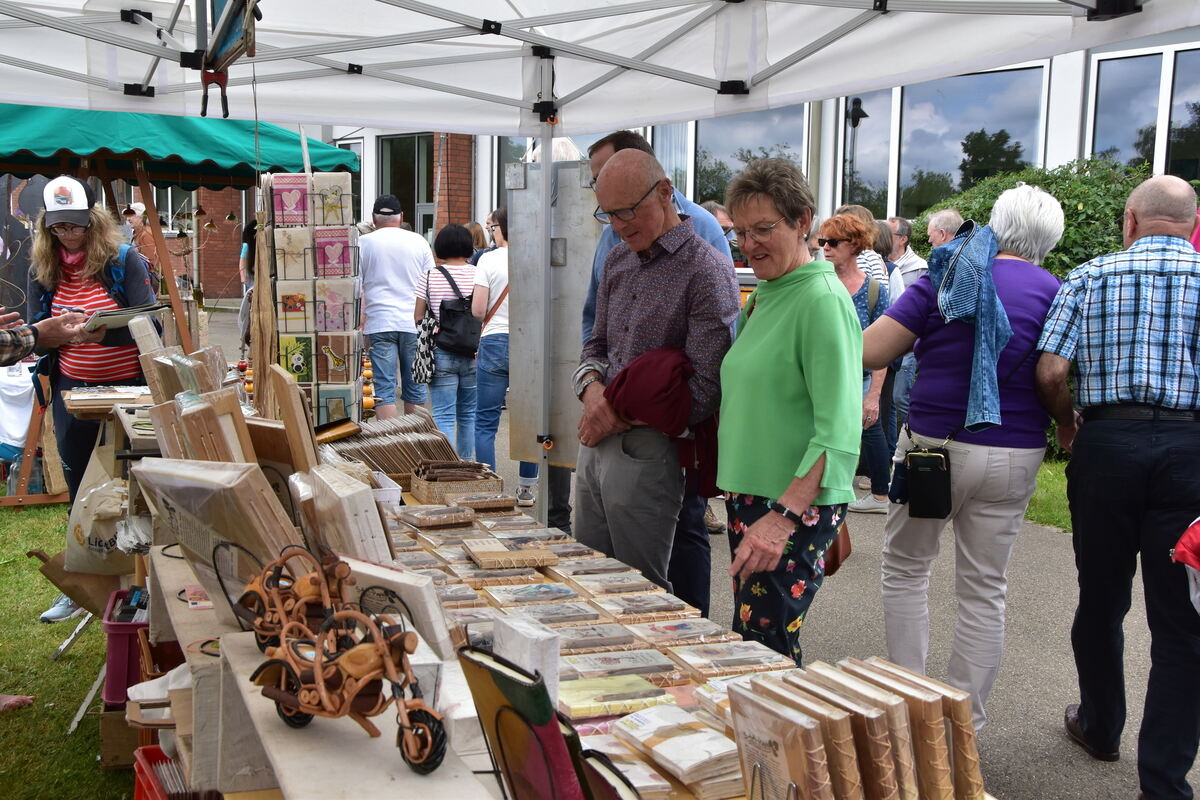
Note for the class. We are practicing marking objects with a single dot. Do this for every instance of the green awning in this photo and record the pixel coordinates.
(187, 152)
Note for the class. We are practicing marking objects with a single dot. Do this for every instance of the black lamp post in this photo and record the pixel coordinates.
(854, 115)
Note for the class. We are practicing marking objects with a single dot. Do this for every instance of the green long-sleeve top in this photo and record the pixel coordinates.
(791, 388)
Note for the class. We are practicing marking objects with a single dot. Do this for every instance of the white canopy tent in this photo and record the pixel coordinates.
(541, 68)
(472, 66)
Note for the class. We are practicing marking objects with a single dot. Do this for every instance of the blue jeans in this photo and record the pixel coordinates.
(875, 455)
(492, 377)
(388, 348)
(901, 390)
(452, 391)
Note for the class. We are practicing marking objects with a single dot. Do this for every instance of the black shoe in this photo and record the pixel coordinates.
(1075, 731)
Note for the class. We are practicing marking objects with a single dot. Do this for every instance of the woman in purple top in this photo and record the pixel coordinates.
(994, 472)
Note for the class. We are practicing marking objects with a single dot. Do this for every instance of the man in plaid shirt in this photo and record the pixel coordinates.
(18, 340)
(1130, 323)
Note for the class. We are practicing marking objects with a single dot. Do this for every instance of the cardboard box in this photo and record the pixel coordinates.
(117, 740)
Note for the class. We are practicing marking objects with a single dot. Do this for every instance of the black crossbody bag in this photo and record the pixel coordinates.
(458, 330)
(923, 480)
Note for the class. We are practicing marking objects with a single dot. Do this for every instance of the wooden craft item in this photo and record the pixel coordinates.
(296, 418)
(167, 377)
(870, 727)
(232, 422)
(263, 339)
(194, 375)
(956, 705)
(649, 607)
(171, 443)
(928, 724)
(836, 733)
(778, 746)
(349, 518)
(899, 731)
(493, 554)
(213, 359)
(483, 501)
(201, 429)
(435, 516)
(98, 401)
(145, 334)
(478, 578)
(159, 391)
(333, 431)
(419, 596)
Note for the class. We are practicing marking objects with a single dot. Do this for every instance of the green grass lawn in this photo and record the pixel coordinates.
(1048, 506)
(38, 760)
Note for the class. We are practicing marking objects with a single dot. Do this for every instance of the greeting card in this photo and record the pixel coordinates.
(293, 254)
(338, 359)
(336, 401)
(289, 194)
(294, 306)
(332, 200)
(296, 356)
(334, 249)
(336, 303)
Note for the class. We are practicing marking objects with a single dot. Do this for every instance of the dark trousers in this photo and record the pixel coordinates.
(558, 515)
(76, 438)
(1134, 487)
(690, 570)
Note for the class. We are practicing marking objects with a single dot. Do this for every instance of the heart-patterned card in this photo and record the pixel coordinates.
(334, 251)
(290, 192)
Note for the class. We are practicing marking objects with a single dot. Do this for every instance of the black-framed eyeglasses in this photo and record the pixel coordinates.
(490, 227)
(759, 233)
(830, 242)
(624, 214)
(67, 229)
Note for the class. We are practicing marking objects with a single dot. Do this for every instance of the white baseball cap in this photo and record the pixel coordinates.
(68, 200)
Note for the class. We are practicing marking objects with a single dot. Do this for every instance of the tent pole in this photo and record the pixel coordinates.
(160, 244)
(547, 167)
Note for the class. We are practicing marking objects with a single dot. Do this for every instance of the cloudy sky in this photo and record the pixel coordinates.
(775, 126)
(1126, 99)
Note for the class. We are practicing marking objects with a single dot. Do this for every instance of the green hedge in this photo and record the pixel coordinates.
(1092, 193)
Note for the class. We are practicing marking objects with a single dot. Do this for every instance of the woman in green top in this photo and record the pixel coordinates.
(791, 409)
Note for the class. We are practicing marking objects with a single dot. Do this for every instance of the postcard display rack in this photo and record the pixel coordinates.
(314, 245)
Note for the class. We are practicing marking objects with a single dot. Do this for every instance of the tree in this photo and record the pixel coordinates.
(1183, 152)
(925, 189)
(746, 154)
(871, 196)
(712, 176)
(986, 154)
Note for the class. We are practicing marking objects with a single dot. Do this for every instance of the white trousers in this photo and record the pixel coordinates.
(990, 489)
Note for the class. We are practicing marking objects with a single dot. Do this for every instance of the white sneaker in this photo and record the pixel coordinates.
(867, 504)
(525, 496)
(63, 608)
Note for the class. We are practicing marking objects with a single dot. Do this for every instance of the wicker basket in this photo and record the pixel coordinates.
(436, 492)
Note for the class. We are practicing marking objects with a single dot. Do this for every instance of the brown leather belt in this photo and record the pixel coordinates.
(1140, 412)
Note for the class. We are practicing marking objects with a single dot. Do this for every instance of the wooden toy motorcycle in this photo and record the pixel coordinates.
(277, 596)
(342, 671)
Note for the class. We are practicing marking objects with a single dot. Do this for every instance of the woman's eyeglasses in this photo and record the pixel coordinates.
(67, 229)
(830, 242)
(759, 233)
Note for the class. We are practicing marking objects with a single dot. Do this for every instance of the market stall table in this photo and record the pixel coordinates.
(333, 759)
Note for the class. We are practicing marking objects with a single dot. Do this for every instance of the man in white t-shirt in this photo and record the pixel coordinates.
(392, 262)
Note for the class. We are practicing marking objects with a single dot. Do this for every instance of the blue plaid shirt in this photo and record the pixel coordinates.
(1131, 323)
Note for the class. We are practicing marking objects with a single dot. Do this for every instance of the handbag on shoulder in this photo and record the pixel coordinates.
(458, 330)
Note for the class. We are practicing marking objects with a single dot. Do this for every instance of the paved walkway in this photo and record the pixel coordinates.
(1026, 755)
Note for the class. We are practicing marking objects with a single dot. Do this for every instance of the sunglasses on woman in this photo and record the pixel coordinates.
(830, 242)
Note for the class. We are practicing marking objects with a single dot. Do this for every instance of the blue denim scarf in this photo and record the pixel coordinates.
(961, 270)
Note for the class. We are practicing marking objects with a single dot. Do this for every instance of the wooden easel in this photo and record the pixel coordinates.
(33, 437)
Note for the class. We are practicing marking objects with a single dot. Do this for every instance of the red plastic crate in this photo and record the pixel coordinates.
(123, 666)
(145, 782)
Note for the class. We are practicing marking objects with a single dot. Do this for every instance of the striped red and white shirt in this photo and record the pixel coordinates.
(436, 288)
(93, 363)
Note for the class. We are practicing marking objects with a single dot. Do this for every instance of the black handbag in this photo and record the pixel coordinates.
(458, 330)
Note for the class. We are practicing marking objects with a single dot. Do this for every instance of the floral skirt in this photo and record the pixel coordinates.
(770, 607)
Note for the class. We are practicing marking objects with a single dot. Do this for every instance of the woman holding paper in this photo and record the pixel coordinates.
(81, 265)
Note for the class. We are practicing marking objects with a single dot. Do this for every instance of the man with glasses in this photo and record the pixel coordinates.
(691, 556)
(663, 286)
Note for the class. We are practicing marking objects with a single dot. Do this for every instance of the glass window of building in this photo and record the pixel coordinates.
(671, 148)
(405, 170)
(724, 145)
(1183, 145)
(956, 131)
(509, 150)
(868, 124)
(356, 146)
(1127, 108)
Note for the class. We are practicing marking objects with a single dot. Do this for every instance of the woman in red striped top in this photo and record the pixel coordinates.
(452, 389)
(79, 264)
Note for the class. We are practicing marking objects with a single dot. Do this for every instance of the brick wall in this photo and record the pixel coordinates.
(221, 247)
(454, 153)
